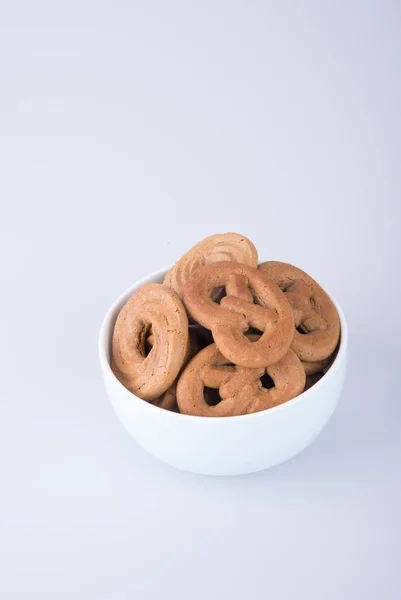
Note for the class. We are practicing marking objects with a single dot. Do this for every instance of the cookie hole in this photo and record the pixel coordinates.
(253, 331)
(267, 382)
(147, 348)
(212, 396)
(142, 341)
(147, 336)
(218, 294)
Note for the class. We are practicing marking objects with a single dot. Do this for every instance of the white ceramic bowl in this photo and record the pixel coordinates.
(223, 445)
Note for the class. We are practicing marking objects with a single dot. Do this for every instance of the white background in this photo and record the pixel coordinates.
(129, 131)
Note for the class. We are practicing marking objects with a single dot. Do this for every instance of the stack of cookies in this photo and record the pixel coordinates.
(224, 336)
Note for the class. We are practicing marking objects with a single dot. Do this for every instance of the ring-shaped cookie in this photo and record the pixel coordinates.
(228, 247)
(157, 307)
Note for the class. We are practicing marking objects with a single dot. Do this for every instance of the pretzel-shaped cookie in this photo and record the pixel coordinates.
(315, 316)
(240, 388)
(231, 247)
(237, 312)
(153, 306)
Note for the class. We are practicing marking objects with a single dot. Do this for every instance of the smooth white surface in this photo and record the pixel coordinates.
(129, 130)
(222, 446)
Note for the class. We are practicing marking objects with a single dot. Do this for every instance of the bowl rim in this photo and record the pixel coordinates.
(104, 341)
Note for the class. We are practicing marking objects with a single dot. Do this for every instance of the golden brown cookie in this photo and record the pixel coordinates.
(157, 307)
(317, 325)
(240, 389)
(252, 301)
(231, 247)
